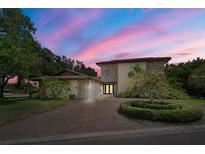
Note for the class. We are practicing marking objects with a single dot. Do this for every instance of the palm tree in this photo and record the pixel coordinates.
(135, 70)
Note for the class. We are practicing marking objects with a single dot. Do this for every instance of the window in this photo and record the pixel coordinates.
(108, 88)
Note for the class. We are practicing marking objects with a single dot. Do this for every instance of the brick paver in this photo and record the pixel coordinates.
(80, 117)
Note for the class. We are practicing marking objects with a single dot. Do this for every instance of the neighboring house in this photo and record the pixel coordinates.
(114, 77)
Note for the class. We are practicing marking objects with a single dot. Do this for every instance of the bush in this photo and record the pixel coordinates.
(125, 94)
(56, 89)
(167, 112)
(175, 93)
(151, 84)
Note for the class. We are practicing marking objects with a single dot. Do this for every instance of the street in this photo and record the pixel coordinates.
(190, 138)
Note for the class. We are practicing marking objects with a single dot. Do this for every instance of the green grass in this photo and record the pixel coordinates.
(192, 101)
(15, 95)
(19, 108)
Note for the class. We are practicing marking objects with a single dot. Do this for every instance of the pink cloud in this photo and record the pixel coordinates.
(136, 30)
(70, 27)
(186, 48)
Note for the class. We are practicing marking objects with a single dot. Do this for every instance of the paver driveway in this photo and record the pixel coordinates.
(79, 117)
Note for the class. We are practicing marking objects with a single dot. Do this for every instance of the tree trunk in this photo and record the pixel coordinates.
(1, 92)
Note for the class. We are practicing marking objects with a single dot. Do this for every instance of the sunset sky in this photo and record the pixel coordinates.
(93, 35)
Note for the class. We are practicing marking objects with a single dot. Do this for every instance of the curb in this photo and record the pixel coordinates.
(137, 132)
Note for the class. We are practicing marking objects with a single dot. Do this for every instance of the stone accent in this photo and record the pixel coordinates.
(109, 72)
(158, 65)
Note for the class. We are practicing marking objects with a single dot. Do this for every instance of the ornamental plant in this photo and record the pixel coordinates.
(152, 84)
(56, 88)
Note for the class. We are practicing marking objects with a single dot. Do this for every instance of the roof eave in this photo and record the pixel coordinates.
(134, 60)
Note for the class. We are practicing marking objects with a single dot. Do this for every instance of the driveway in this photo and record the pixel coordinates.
(78, 117)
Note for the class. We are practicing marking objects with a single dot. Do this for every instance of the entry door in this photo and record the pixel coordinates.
(108, 88)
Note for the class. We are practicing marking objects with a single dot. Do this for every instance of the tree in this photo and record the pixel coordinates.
(49, 64)
(196, 82)
(153, 84)
(136, 71)
(81, 68)
(16, 42)
(178, 74)
(148, 84)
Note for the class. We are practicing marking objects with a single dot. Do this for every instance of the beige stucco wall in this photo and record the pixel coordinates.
(73, 87)
(95, 89)
(83, 89)
(123, 70)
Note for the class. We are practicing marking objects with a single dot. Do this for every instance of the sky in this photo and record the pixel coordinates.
(93, 35)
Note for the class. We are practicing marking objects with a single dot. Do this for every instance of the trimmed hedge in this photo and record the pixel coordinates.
(167, 112)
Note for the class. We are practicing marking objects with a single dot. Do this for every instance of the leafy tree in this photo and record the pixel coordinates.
(196, 81)
(16, 42)
(50, 64)
(56, 88)
(80, 67)
(178, 74)
(153, 84)
(135, 71)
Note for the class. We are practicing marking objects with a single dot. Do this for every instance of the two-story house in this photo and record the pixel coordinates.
(114, 77)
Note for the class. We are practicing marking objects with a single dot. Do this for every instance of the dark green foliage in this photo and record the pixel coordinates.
(158, 105)
(49, 64)
(179, 74)
(196, 81)
(24, 88)
(81, 68)
(166, 112)
(29, 88)
(16, 45)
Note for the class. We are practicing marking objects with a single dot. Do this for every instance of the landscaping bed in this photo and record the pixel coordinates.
(161, 111)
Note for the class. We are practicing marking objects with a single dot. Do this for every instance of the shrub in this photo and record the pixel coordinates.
(56, 89)
(152, 84)
(29, 88)
(167, 112)
(125, 94)
(175, 93)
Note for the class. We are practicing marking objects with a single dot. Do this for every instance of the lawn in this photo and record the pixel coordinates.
(15, 94)
(194, 101)
(14, 109)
